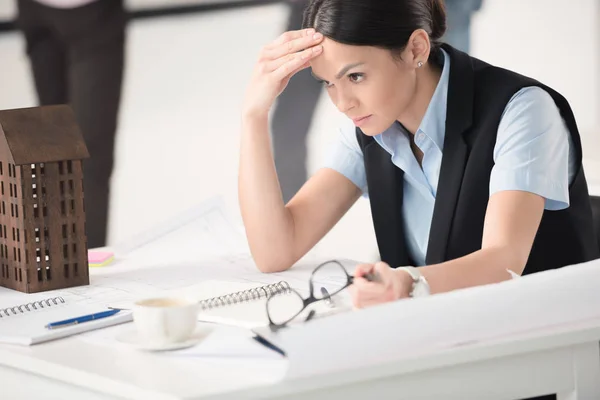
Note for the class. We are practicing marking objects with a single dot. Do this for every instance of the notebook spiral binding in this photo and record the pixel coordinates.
(34, 305)
(246, 295)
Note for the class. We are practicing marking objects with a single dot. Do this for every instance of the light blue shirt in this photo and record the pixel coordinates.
(533, 153)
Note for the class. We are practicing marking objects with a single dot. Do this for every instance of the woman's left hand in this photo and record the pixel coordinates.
(391, 285)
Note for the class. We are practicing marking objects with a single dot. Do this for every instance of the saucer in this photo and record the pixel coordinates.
(131, 338)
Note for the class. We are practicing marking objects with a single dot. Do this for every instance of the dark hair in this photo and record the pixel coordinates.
(380, 23)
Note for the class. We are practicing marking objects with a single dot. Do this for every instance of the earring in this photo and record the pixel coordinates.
(419, 64)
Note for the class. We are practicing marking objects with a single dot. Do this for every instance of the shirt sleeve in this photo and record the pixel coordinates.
(346, 157)
(533, 150)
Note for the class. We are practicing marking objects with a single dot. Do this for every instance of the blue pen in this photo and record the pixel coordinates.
(83, 318)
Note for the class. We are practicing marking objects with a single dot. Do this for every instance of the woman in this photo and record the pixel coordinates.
(473, 172)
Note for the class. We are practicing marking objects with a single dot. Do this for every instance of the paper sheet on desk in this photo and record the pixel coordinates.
(205, 231)
(409, 328)
(226, 342)
(229, 342)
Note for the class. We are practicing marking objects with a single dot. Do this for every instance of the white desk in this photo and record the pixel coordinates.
(567, 362)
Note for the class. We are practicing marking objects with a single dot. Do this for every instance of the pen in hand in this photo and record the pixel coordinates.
(373, 277)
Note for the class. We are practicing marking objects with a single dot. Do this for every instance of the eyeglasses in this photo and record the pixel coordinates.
(326, 280)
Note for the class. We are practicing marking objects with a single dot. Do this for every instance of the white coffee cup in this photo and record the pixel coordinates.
(167, 320)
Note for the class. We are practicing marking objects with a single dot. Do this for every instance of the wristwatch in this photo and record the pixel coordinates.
(420, 286)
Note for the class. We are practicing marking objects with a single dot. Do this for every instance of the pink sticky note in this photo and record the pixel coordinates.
(98, 257)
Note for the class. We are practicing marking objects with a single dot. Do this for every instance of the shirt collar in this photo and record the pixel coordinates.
(434, 121)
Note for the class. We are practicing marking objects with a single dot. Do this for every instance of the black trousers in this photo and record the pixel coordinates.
(77, 58)
(292, 118)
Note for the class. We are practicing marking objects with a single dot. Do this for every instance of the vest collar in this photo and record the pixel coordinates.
(459, 118)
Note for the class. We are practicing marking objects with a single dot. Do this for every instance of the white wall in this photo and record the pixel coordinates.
(556, 42)
(179, 126)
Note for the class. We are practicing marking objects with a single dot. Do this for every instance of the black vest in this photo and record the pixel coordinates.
(477, 96)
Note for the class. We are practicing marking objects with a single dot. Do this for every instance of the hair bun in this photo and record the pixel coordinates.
(438, 19)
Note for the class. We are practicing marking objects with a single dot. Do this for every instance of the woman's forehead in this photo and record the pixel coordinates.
(337, 50)
(336, 56)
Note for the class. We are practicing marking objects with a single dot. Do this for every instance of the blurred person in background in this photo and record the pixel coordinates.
(458, 19)
(76, 51)
(292, 119)
(296, 106)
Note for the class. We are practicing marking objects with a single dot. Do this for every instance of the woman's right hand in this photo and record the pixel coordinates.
(277, 63)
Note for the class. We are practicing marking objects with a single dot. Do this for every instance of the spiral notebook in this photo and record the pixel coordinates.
(233, 303)
(25, 323)
(240, 304)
